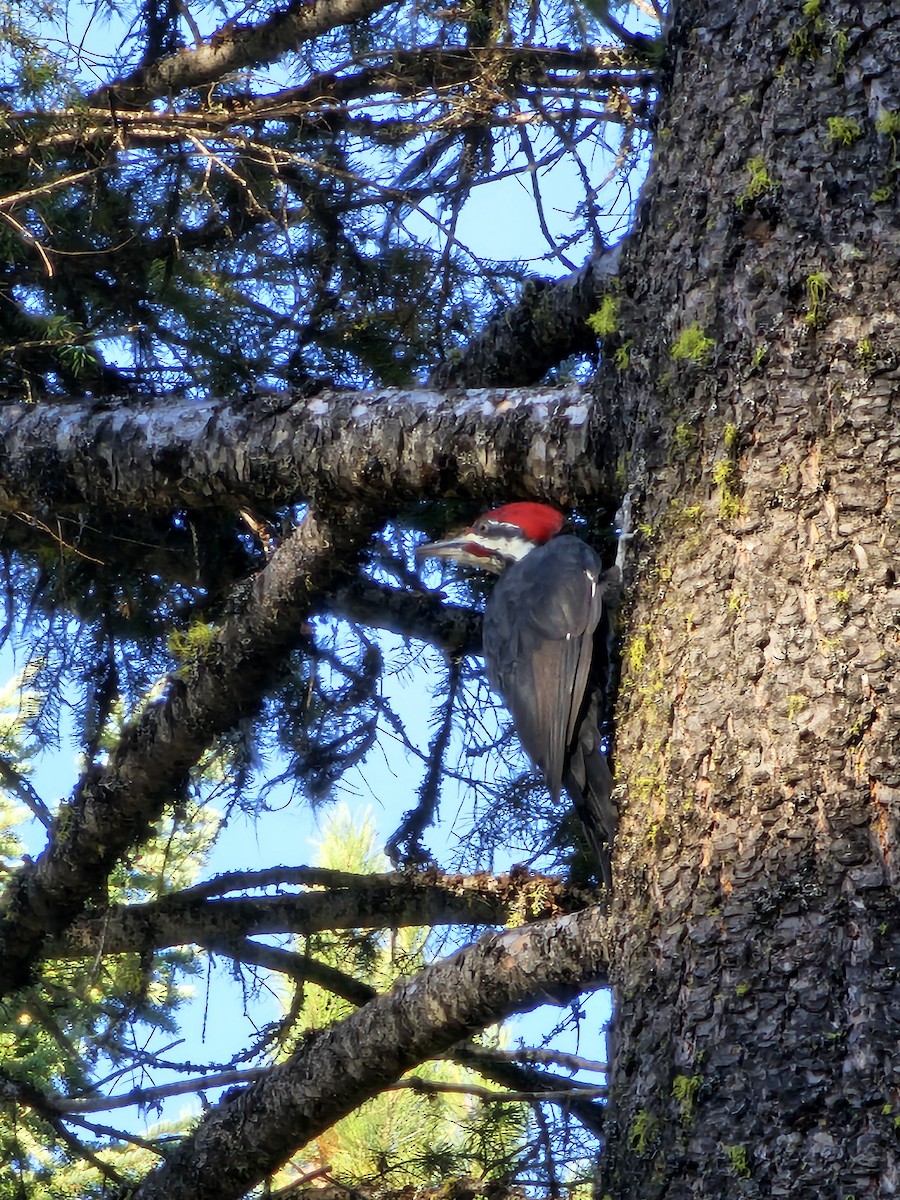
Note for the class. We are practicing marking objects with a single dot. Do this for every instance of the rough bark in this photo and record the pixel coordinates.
(356, 446)
(758, 930)
(253, 1131)
(114, 806)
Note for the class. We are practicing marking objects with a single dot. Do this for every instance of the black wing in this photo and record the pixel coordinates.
(539, 642)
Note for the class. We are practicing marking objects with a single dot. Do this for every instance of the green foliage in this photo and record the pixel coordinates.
(55, 1035)
(432, 1129)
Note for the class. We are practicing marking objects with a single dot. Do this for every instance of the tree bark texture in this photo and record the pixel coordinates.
(356, 446)
(756, 912)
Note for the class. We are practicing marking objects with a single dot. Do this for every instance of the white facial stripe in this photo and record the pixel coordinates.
(512, 548)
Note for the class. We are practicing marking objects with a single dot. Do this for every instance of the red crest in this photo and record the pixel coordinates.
(539, 522)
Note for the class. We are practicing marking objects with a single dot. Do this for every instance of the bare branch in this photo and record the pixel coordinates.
(404, 845)
(144, 1096)
(433, 1087)
(496, 1066)
(546, 326)
(252, 1131)
(392, 901)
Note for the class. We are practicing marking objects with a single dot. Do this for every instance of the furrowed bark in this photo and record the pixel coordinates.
(250, 1133)
(114, 806)
(756, 901)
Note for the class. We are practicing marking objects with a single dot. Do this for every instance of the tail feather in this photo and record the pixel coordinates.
(589, 784)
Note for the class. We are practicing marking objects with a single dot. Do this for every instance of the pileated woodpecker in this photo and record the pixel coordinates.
(547, 649)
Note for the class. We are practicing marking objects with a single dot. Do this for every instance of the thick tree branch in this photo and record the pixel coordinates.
(230, 48)
(251, 1132)
(115, 806)
(390, 901)
(300, 967)
(353, 446)
(522, 343)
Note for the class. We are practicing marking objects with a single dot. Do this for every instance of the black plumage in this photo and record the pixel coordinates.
(546, 645)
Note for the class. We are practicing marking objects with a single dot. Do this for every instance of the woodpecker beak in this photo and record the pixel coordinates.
(464, 549)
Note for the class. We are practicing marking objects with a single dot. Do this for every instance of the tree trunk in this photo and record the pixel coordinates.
(755, 972)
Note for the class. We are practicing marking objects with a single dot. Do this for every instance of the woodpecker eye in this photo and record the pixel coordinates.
(481, 526)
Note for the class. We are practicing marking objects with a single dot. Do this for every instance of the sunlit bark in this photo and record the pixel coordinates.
(757, 741)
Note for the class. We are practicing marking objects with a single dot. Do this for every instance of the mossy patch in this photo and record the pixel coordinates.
(817, 288)
(761, 184)
(739, 1160)
(692, 345)
(643, 1131)
(193, 643)
(843, 131)
(605, 321)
